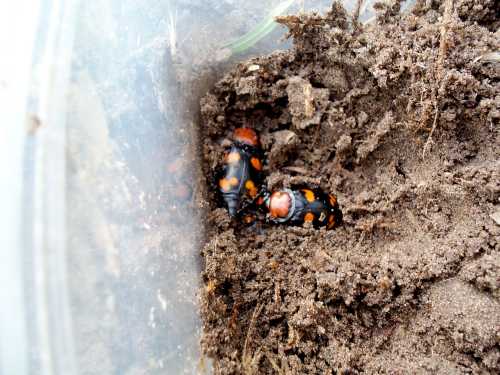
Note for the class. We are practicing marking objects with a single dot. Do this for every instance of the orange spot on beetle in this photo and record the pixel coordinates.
(333, 199)
(252, 190)
(256, 163)
(309, 195)
(260, 201)
(224, 184)
(331, 222)
(246, 135)
(279, 204)
(233, 158)
(249, 185)
(309, 217)
(233, 181)
(249, 219)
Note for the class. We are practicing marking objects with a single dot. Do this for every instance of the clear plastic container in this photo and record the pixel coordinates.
(101, 223)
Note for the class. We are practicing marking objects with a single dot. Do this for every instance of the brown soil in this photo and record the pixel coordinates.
(401, 120)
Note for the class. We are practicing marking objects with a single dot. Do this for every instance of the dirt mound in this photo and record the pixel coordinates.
(401, 120)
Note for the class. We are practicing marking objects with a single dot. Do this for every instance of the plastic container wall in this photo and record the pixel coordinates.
(102, 221)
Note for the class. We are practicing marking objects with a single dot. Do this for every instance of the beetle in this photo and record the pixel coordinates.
(242, 169)
(296, 207)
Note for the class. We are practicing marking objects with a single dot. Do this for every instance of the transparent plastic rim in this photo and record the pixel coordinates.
(34, 309)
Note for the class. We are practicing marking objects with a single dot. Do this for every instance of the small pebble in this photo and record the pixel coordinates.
(253, 68)
(496, 217)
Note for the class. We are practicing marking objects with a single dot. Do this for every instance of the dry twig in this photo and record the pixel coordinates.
(248, 360)
(439, 68)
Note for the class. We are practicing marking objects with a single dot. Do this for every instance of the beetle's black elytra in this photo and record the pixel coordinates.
(242, 169)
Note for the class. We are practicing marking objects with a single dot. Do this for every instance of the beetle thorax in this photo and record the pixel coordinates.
(281, 205)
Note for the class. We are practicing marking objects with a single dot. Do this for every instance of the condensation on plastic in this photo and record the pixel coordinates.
(99, 251)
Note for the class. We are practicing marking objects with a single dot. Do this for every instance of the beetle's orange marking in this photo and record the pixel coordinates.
(333, 199)
(233, 158)
(233, 181)
(256, 163)
(224, 184)
(260, 201)
(252, 190)
(248, 219)
(246, 135)
(309, 195)
(331, 222)
(279, 204)
(309, 217)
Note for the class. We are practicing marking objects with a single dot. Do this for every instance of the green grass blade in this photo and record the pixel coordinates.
(259, 31)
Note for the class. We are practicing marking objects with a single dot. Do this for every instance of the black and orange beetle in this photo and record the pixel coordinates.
(241, 174)
(303, 205)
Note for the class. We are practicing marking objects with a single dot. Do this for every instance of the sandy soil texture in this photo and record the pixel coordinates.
(400, 119)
